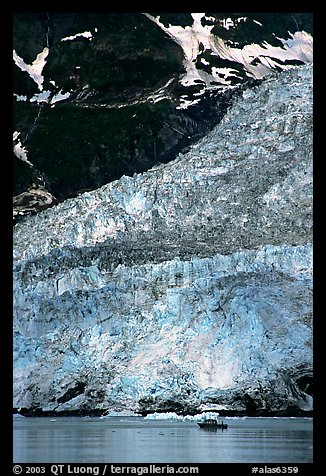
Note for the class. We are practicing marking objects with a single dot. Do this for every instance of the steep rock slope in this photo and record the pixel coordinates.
(101, 95)
(186, 287)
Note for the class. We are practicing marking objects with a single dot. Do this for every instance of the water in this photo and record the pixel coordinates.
(137, 440)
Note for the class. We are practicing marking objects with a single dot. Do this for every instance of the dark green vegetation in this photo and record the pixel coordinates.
(79, 148)
(127, 52)
(108, 126)
(95, 145)
(87, 141)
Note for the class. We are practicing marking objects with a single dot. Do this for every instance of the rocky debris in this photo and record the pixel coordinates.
(185, 286)
(33, 200)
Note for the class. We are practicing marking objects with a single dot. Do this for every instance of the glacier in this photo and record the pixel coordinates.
(183, 288)
(129, 91)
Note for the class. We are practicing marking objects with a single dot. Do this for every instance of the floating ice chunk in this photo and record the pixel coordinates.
(175, 416)
(163, 416)
(122, 413)
(190, 38)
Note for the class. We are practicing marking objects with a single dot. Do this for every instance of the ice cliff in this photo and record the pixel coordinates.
(184, 288)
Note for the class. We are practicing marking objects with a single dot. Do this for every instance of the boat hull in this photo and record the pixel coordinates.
(213, 426)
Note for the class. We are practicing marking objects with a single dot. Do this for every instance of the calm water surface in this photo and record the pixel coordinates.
(137, 440)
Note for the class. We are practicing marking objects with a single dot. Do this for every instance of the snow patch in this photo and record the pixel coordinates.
(227, 23)
(20, 97)
(41, 97)
(198, 38)
(35, 69)
(45, 96)
(19, 150)
(257, 22)
(60, 96)
(189, 38)
(85, 34)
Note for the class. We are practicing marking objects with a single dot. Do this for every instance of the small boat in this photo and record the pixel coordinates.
(210, 423)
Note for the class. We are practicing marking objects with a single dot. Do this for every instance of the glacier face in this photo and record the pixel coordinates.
(183, 288)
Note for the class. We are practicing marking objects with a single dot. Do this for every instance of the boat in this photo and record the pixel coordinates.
(210, 423)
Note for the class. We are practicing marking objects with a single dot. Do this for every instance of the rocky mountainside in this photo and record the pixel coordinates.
(102, 95)
(183, 288)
